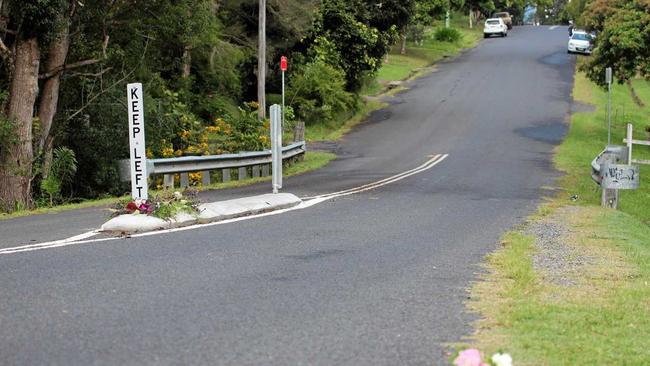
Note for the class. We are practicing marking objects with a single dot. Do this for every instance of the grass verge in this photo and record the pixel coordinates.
(602, 319)
(419, 58)
(313, 160)
(335, 131)
(601, 315)
(588, 136)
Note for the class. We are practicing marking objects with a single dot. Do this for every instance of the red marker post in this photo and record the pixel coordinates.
(284, 64)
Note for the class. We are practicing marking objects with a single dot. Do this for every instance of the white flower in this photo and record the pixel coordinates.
(138, 202)
(502, 359)
(178, 195)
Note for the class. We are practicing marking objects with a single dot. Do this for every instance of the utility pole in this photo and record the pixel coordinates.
(261, 61)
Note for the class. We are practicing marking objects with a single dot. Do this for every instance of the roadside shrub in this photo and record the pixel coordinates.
(447, 35)
(61, 171)
(317, 93)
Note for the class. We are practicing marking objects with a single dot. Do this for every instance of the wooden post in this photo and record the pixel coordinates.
(609, 198)
(185, 180)
(168, 181)
(205, 178)
(299, 131)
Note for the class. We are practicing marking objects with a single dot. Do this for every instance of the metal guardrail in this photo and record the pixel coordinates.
(612, 154)
(206, 163)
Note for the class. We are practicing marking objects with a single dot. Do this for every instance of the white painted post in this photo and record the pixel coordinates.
(629, 144)
(276, 146)
(137, 147)
(608, 79)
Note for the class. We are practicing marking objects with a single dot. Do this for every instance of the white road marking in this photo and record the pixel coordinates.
(307, 202)
(553, 27)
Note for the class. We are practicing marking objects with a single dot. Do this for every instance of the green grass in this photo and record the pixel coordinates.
(419, 57)
(588, 136)
(313, 160)
(604, 317)
(604, 320)
(335, 131)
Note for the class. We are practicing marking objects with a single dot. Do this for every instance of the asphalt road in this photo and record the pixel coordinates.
(376, 278)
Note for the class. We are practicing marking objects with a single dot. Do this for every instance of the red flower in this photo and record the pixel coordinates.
(131, 207)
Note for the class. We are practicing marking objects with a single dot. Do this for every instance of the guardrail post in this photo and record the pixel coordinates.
(205, 178)
(265, 170)
(609, 198)
(168, 181)
(225, 175)
(243, 174)
(256, 171)
(185, 180)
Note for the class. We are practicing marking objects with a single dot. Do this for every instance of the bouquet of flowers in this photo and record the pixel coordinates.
(472, 357)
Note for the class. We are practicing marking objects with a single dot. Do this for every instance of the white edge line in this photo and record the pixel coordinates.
(312, 201)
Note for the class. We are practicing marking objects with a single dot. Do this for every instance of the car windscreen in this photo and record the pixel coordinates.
(492, 22)
(581, 37)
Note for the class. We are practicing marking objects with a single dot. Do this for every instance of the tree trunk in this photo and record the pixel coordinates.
(403, 41)
(470, 18)
(49, 99)
(261, 61)
(16, 159)
(187, 61)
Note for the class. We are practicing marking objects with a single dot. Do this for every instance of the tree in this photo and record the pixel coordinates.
(32, 23)
(623, 41)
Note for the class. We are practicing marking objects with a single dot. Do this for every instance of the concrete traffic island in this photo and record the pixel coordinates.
(208, 212)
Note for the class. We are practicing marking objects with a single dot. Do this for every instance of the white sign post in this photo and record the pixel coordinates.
(608, 80)
(276, 146)
(137, 148)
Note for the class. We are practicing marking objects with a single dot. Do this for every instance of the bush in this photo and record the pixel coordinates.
(61, 171)
(317, 93)
(447, 35)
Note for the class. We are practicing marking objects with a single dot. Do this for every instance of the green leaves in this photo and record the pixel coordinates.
(623, 42)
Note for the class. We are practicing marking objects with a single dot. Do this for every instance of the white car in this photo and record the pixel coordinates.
(495, 26)
(580, 42)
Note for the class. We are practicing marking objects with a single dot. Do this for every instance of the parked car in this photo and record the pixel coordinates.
(507, 18)
(580, 42)
(495, 26)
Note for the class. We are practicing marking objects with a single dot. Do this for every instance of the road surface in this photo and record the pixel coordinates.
(374, 278)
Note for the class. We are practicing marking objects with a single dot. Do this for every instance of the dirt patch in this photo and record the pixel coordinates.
(559, 262)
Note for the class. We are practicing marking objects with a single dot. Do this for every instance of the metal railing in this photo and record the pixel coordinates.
(258, 161)
(612, 154)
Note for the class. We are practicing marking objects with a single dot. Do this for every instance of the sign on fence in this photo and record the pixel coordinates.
(137, 148)
(619, 176)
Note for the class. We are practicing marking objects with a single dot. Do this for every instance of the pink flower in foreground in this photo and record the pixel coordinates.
(469, 357)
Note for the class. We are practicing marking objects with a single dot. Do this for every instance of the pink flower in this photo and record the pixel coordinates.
(469, 357)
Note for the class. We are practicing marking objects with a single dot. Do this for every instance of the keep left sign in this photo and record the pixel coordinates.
(138, 152)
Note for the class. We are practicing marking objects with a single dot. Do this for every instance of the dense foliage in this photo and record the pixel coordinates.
(623, 41)
(65, 64)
